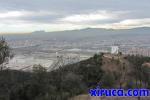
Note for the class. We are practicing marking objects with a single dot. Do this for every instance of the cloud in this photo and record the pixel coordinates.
(18, 25)
(126, 24)
(30, 27)
(134, 22)
(24, 16)
(23, 13)
(90, 17)
(11, 14)
(55, 15)
(28, 21)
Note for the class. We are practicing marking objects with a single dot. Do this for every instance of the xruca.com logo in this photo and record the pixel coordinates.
(119, 92)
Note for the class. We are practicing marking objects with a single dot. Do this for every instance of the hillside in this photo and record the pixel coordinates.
(119, 70)
(106, 70)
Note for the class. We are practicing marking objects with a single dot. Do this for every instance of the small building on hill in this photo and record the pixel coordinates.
(114, 49)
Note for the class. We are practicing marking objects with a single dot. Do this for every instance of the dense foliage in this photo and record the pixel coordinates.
(59, 84)
(73, 79)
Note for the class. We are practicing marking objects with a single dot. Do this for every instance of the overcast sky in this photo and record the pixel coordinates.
(56, 15)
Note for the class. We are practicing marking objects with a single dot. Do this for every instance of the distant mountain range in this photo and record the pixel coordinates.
(85, 33)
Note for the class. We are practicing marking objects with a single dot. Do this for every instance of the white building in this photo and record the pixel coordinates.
(114, 49)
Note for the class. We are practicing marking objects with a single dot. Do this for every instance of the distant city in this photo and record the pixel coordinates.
(47, 48)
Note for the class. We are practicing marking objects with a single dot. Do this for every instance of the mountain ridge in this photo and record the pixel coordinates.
(84, 34)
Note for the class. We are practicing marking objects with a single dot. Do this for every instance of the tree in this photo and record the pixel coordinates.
(108, 80)
(5, 53)
(39, 74)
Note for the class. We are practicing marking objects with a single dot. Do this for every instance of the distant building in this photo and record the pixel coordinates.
(114, 49)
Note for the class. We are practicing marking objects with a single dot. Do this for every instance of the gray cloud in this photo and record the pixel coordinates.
(70, 13)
